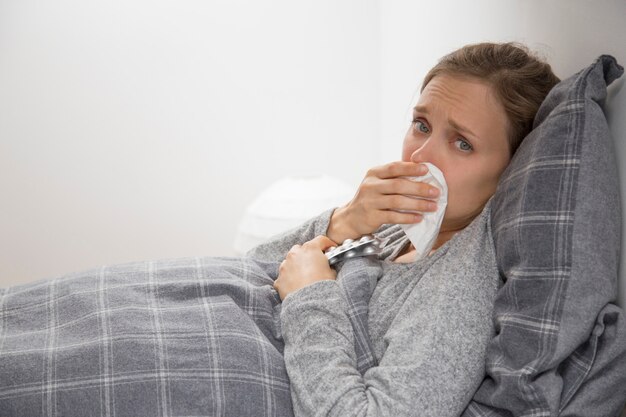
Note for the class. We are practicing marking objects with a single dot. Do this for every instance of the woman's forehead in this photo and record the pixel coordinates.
(465, 101)
(464, 92)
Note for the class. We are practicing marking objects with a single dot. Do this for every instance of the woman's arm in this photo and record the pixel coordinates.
(434, 357)
(276, 248)
(380, 200)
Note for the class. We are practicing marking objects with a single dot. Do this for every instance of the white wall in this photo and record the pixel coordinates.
(569, 33)
(134, 130)
(139, 130)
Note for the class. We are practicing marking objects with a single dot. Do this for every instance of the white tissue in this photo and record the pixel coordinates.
(424, 234)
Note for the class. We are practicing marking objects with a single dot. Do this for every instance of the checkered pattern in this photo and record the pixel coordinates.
(182, 337)
(560, 347)
(185, 337)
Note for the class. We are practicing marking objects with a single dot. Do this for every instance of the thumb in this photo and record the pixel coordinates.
(322, 242)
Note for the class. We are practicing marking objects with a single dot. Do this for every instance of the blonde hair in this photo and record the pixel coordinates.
(519, 80)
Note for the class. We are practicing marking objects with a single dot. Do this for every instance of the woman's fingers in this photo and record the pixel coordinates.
(408, 187)
(396, 217)
(320, 242)
(391, 179)
(398, 169)
(399, 198)
(406, 203)
(383, 195)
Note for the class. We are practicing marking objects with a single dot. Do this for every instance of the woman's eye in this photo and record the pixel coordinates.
(419, 125)
(463, 145)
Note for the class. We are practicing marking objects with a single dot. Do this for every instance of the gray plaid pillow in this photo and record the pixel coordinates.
(560, 345)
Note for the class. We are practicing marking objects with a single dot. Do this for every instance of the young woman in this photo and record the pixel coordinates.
(429, 321)
(279, 332)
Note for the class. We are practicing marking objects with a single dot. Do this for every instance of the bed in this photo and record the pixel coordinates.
(560, 345)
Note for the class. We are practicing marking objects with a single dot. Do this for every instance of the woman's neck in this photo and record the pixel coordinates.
(408, 254)
(443, 237)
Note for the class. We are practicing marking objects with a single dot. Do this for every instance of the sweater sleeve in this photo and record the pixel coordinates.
(432, 364)
(276, 248)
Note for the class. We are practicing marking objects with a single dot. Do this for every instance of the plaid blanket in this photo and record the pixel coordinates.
(182, 337)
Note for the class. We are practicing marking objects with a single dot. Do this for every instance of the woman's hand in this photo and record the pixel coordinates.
(304, 265)
(380, 197)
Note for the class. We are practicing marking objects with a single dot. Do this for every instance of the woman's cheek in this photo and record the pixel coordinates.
(459, 199)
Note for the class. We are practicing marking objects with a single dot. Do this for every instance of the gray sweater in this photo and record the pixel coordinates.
(429, 322)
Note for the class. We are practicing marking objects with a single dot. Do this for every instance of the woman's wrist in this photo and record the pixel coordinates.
(339, 228)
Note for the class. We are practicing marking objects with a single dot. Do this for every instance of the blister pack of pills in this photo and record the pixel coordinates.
(365, 246)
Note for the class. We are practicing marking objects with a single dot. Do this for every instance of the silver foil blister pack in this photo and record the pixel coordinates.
(365, 246)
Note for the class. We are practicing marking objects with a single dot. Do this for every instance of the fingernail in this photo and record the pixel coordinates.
(433, 192)
(432, 206)
(423, 169)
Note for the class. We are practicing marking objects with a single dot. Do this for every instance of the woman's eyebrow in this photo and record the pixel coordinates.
(420, 109)
(423, 109)
(460, 128)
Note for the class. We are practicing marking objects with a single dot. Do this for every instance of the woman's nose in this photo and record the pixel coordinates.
(425, 153)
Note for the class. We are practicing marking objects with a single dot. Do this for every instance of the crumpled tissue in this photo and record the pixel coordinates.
(424, 234)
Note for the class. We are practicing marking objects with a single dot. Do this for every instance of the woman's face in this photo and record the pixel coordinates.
(460, 127)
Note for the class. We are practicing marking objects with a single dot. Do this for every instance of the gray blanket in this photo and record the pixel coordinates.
(182, 337)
